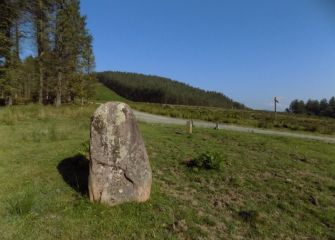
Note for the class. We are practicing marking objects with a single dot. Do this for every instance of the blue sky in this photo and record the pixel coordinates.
(250, 50)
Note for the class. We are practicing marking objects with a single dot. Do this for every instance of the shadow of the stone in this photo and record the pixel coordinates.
(74, 171)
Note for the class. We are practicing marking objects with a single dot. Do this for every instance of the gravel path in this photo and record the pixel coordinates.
(151, 118)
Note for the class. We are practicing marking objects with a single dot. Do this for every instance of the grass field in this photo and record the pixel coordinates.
(104, 94)
(268, 188)
(250, 118)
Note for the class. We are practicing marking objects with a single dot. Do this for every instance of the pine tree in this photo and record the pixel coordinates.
(62, 68)
(9, 48)
(41, 18)
(86, 65)
(323, 107)
(313, 107)
(332, 106)
(73, 52)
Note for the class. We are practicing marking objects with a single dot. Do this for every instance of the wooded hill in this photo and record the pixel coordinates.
(155, 89)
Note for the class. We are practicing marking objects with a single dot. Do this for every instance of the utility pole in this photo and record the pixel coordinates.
(276, 101)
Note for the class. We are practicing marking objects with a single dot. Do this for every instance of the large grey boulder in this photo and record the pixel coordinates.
(119, 165)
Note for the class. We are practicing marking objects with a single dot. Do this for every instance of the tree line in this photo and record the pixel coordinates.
(148, 88)
(314, 107)
(61, 66)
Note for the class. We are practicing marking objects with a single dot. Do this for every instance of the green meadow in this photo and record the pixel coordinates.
(267, 187)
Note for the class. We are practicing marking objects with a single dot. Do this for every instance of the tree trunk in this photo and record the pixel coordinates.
(59, 90)
(82, 100)
(47, 91)
(40, 97)
(29, 93)
(26, 87)
(9, 101)
(40, 46)
(17, 41)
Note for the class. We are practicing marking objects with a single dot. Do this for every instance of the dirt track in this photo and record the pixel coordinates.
(151, 118)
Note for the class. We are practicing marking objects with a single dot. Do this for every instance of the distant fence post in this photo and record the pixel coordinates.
(189, 127)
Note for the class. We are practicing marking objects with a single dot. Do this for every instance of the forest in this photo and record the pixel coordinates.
(155, 89)
(323, 107)
(46, 53)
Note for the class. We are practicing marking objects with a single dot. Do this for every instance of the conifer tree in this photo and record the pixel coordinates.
(61, 69)
(10, 12)
(41, 19)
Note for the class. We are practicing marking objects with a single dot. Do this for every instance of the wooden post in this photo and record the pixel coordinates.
(276, 101)
(189, 127)
(216, 126)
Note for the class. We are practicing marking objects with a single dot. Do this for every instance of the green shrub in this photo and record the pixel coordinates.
(249, 216)
(207, 161)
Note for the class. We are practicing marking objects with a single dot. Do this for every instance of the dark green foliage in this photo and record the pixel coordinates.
(297, 106)
(207, 161)
(154, 89)
(314, 107)
(61, 70)
(9, 17)
(248, 216)
(331, 107)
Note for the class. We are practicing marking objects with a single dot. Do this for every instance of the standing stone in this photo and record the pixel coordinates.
(119, 165)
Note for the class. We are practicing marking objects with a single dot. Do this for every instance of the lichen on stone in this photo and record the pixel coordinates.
(118, 157)
(120, 116)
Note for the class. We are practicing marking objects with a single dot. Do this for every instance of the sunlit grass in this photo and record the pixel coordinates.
(267, 187)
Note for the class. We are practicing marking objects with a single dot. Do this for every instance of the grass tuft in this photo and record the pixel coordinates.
(21, 205)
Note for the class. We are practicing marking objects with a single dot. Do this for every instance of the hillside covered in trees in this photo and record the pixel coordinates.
(154, 89)
(314, 107)
(60, 67)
